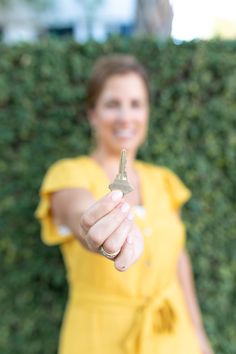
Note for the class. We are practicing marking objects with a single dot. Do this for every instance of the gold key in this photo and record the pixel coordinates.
(121, 181)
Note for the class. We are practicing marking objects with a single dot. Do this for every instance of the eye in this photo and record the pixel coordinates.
(135, 103)
(112, 104)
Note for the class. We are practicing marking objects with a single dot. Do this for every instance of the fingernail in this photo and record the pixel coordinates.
(125, 207)
(116, 195)
(130, 216)
(130, 239)
(120, 266)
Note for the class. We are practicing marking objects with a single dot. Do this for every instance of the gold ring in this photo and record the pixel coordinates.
(107, 254)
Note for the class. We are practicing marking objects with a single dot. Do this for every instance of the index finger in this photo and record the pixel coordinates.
(99, 209)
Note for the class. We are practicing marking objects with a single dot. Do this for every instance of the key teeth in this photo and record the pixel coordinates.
(120, 185)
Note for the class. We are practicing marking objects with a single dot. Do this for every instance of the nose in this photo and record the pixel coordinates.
(124, 113)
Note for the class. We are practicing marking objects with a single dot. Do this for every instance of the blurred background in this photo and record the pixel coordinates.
(47, 49)
(29, 20)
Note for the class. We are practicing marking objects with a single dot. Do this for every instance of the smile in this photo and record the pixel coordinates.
(124, 133)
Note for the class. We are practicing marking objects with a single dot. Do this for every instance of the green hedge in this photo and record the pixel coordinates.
(193, 121)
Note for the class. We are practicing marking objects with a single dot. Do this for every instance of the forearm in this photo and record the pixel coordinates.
(187, 283)
(67, 206)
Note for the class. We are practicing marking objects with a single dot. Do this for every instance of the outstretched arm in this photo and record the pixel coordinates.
(105, 223)
(184, 270)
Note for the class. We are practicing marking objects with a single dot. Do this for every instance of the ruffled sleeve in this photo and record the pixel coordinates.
(178, 192)
(67, 173)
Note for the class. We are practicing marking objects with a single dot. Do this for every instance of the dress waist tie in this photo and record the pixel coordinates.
(155, 315)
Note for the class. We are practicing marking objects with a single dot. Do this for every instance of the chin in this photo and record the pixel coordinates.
(127, 144)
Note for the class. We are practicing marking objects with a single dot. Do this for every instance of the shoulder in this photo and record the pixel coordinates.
(157, 170)
(70, 166)
(69, 163)
(68, 172)
(167, 181)
(153, 170)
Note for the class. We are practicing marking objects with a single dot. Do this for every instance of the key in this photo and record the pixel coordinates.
(121, 180)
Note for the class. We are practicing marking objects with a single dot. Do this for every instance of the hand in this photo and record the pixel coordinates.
(108, 223)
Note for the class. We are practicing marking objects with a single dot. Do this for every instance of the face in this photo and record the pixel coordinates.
(120, 116)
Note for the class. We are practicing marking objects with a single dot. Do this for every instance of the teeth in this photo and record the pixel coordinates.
(124, 133)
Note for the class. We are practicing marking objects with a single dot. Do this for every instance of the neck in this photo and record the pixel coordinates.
(110, 160)
(110, 163)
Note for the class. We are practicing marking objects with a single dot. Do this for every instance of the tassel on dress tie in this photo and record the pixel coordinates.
(155, 317)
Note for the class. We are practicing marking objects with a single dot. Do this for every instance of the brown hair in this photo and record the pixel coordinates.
(107, 66)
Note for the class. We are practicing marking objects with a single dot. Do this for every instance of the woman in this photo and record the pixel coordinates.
(145, 303)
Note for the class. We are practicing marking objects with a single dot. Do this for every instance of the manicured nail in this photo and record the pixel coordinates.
(125, 207)
(116, 195)
(121, 266)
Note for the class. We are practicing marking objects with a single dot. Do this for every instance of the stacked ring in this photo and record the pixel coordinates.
(107, 254)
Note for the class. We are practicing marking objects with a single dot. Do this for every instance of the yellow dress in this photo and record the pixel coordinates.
(142, 310)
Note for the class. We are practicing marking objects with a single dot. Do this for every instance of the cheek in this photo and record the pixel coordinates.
(143, 125)
(107, 116)
(101, 119)
(142, 118)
